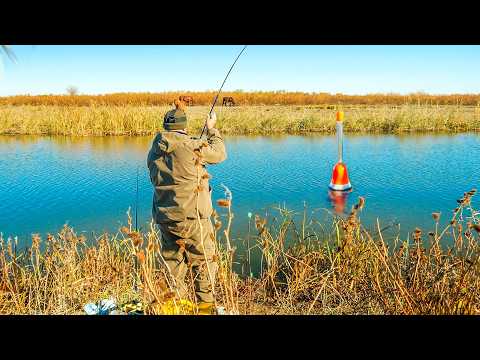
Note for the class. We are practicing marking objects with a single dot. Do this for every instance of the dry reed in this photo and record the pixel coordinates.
(247, 120)
(345, 270)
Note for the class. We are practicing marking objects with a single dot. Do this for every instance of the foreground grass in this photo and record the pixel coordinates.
(243, 120)
(306, 269)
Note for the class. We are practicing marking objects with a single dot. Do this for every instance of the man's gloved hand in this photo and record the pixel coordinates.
(211, 120)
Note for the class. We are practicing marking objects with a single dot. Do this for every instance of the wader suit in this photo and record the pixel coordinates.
(182, 194)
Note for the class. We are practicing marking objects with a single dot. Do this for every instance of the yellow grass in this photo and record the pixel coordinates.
(147, 120)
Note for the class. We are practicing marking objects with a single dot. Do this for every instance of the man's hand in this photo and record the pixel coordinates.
(211, 120)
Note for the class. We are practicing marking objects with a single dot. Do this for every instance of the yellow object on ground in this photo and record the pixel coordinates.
(206, 309)
(186, 307)
(178, 307)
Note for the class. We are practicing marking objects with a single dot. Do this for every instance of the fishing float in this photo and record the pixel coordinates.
(340, 180)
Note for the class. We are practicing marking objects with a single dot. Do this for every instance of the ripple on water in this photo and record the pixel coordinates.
(91, 182)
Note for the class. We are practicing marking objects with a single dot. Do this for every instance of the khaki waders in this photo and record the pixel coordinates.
(182, 247)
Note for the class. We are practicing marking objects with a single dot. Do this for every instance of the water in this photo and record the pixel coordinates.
(90, 183)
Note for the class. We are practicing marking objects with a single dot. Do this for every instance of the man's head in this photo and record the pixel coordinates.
(176, 119)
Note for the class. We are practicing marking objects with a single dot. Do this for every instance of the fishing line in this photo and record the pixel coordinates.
(221, 87)
(136, 205)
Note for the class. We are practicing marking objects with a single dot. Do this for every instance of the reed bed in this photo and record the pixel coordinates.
(306, 268)
(279, 97)
(243, 120)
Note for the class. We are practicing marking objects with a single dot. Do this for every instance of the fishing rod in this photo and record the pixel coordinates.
(221, 87)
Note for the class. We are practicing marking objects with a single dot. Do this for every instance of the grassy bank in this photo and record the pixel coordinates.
(337, 268)
(242, 120)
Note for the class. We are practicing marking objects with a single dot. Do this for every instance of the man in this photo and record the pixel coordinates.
(182, 203)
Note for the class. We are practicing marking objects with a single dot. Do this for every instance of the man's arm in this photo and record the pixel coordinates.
(214, 152)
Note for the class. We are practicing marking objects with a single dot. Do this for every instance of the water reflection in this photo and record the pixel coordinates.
(339, 200)
(90, 181)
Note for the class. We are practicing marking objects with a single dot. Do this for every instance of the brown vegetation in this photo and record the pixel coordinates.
(304, 269)
(245, 98)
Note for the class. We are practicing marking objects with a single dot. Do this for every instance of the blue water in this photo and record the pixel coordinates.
(90, 183)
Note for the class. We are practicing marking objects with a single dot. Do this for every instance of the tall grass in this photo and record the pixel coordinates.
(147, 120)
(244, 98)
(337, 268)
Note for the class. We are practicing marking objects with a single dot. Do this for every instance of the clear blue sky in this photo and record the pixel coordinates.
(355, 69)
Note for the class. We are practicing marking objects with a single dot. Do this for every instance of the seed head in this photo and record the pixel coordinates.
(476, 227)
(361, 202)
(223, 203)
(181, 245)
(436, 216)
(141, 256)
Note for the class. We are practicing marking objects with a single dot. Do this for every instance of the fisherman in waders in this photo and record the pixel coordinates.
(182, 203)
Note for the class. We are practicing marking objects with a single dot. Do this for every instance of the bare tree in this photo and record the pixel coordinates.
(72, 90)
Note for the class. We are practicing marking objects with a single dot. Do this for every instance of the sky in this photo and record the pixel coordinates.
(357, 69)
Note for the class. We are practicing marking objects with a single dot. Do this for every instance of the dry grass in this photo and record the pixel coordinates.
(306, 269)
(244, 98)
(147, 120)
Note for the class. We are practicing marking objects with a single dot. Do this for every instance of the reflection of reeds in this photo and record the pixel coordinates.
(99, 120)
(304, 269)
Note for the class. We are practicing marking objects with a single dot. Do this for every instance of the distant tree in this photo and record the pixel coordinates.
(72, 90)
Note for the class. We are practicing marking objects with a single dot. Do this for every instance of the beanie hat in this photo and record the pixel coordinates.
(176, 119)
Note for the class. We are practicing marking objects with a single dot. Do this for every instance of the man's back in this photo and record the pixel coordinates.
(177, 172)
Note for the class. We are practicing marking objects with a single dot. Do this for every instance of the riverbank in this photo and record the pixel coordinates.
(100, 120)
(337, 268)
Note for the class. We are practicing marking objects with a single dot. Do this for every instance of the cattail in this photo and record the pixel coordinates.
(436, 216)
(223, 203)
(476, 227)
(417, 233)
(36, 240)
(150, 246)
(136, 238)
(181, 245)
(361, 202)
(141, 256)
